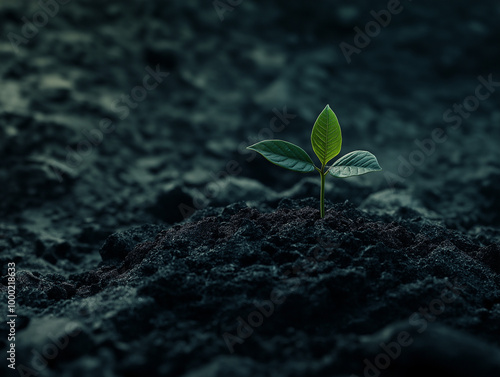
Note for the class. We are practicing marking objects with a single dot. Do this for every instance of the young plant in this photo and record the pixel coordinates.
(326, 140)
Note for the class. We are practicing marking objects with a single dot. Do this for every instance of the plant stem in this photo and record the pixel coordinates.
(322, 194)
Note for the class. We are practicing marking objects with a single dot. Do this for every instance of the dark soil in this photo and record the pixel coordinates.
(167, 249)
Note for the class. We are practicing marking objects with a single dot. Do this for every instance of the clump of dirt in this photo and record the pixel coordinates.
(282, 291)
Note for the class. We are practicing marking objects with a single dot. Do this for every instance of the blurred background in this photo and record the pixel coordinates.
(120, 113)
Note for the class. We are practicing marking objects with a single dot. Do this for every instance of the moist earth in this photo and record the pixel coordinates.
(149, 242)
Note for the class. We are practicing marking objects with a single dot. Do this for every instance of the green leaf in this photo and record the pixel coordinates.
(284, 154)
(354, 163)
(326, 137)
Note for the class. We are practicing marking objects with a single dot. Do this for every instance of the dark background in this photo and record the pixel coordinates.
(229, 74)
(225, 79)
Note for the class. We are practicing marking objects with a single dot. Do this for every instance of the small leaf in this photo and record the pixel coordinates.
(354, 163)
(284, 154)
(326, 137)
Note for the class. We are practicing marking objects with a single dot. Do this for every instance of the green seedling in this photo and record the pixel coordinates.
(326, 140)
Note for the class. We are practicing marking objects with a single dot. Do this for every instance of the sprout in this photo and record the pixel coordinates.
(326, 140)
